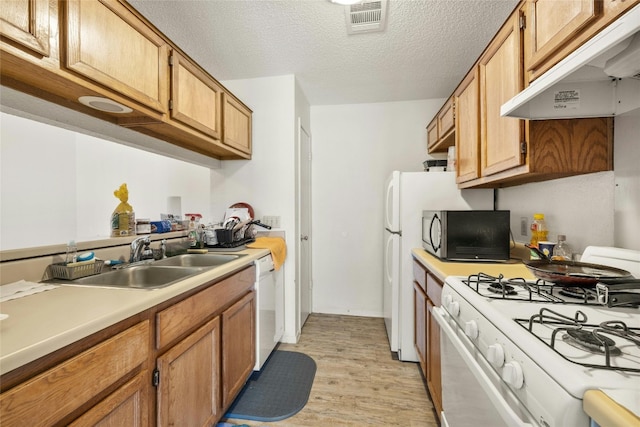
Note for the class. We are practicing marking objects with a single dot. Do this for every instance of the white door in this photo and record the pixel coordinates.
(303, 270)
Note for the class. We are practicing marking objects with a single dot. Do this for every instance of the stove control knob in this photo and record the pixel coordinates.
(513, 375)
(446, 301)
(495, 354)
(454, 308)
(471, 329)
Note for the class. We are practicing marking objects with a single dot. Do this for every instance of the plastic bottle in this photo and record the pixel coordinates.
(539, 230)
(562, 250)
(192, 233)
(72, 252)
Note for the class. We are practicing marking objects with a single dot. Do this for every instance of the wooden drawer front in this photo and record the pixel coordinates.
(434, 290)
(420, 275)
(182, 317)
(52, 395)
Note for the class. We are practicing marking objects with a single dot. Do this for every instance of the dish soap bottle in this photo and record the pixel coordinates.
(123, 219)
(192, 233)
(539, 230)
(562, 250)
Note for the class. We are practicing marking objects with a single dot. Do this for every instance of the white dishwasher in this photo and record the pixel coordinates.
(270, 306)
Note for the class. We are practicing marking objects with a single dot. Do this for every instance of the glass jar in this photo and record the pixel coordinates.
(562, 250)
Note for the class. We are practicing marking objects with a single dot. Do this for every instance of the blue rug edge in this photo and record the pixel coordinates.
(282, 417)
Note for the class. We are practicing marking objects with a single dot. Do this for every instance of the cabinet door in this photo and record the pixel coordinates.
(189, 387)
(27, 23)
(237, 125)
(434, 376)
(49, 397)
(420, 327)
(432, 134)
(552, 23)
(446, 119)
(500, 80)
(467, 98)
(127, 406)
(238, 346)
(195, 97)
(108, 44)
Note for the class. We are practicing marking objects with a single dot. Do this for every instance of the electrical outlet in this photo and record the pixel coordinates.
(272, 220)
(524, 225)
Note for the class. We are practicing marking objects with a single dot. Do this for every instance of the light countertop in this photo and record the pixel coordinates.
(601, 406)
(45, 322)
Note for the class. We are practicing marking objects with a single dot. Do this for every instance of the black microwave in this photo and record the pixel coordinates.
(474, 235)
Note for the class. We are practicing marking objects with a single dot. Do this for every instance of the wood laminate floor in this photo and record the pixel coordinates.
(357, 382)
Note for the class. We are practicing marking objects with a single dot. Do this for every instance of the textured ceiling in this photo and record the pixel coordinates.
(424, 52)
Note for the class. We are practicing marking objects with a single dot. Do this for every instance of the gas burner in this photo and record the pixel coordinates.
(591, 342)
(577, 293)
(501, 288)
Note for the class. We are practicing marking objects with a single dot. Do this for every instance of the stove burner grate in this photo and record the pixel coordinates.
(591, 342)
(578, 333)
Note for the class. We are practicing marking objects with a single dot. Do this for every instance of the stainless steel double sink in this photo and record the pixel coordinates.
(157, 274)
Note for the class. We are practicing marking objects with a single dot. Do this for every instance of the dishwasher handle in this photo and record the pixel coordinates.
(501, 406)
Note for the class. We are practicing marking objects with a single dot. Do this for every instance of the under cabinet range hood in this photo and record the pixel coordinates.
(599, 79)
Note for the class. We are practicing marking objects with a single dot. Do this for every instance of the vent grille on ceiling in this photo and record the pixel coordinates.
(366, 17)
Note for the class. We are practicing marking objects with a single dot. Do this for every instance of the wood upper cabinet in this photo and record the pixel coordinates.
(467, 123)
(108, 44)
(189, 379)
(196, 98)
(238, 346)
(441, 130)
(26, 22)
(554, 29)
(237, 124)
(52, 397)
(500, 80)
(552, 23)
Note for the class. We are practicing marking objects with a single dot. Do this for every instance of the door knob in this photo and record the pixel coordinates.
(304, 237)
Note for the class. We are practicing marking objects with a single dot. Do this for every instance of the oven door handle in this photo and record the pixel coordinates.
(501, 406)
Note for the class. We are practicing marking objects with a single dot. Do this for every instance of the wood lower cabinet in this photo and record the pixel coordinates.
(202, 346)
(55, 395)
(107, 43)
(189, 379)
(238, 346)
(427, 294)
(26, 22)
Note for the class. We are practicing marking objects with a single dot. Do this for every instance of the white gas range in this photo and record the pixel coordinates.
(512, 351)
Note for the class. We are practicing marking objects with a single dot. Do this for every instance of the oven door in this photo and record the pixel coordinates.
(472, 392)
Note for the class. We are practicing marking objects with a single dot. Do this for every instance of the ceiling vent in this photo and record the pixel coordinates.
(366, 17)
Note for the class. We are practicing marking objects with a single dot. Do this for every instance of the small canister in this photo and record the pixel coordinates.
(143, 226)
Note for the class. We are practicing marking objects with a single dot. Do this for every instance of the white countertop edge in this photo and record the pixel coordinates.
(63, 325)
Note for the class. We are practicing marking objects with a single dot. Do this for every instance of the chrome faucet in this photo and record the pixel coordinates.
(137, 248)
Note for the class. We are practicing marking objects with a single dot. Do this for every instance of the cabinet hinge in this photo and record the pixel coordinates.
(170, 60)
(155, 379)
(523, 148)
(522, 21)
(171, 104)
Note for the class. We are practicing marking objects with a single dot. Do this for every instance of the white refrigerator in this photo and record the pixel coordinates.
(407, 195)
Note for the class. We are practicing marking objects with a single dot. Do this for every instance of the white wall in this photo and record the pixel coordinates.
(355, 148)
(58, 185)
(267, 182)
